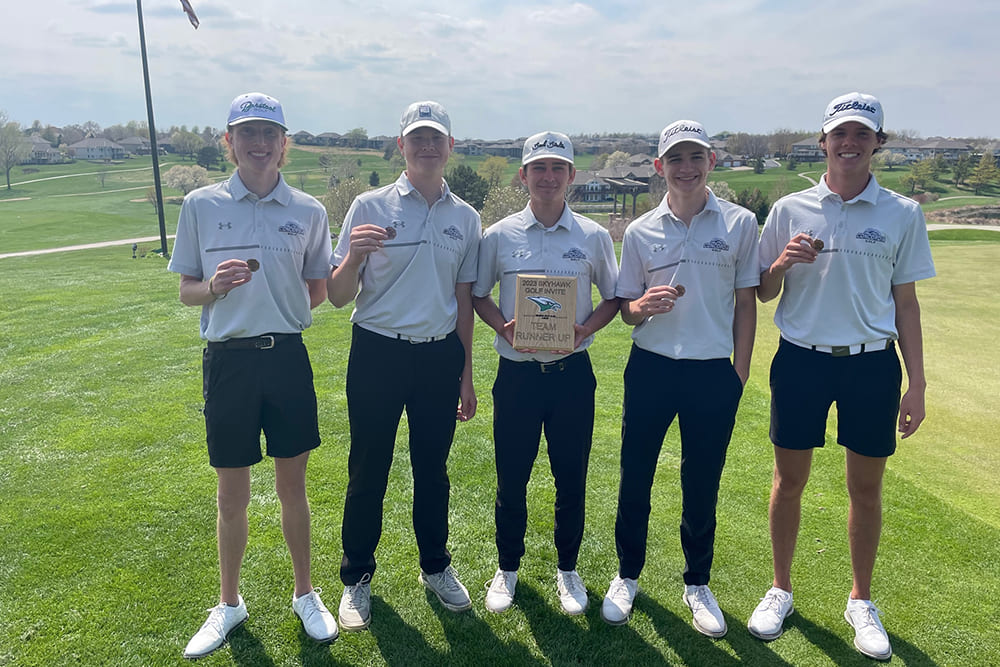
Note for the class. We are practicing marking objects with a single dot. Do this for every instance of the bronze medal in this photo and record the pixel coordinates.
(390, 232)
(253, 264)
(818, 245)
(680, 290)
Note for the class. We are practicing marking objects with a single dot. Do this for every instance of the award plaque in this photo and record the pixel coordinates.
(545, 313)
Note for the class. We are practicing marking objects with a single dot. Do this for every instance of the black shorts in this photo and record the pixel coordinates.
(865, 387)
(251, 390)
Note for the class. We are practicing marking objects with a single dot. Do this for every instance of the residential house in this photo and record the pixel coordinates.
(42, 152)
(136, 145)
(94, 148)
(587, 186)
(807, 150)
(949, 149)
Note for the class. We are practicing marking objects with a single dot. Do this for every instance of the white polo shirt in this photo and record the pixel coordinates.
(519, 244)
(872, 242)
(712, 257)
(286, 231)
(408, 286)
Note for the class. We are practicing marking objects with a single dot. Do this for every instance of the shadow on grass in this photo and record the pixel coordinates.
(695, 648)
(314, 654)
(582, 639)
(473, 641)
(843, 652)
(247, 649)
(398, 642)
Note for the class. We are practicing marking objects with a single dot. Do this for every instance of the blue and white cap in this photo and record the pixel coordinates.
(864, 109)
(547, 144)
(682, 130)
(256, 106)
(425, 114)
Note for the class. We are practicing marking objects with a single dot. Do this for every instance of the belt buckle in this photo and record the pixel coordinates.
(265, 343)
(841, 350)
(551, 366)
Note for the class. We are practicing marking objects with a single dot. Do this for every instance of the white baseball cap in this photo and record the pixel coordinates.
(547, 144)
(682, 130)
(256, 106)
(425, 114)
(864, 109)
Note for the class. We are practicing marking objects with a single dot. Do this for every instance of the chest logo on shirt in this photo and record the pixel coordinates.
(657, 247)
(225, 225)
(574, 254)
(292, 228)
(716, 245)
(398, 224)
(453, 233)
(871, 235)
(521, 253)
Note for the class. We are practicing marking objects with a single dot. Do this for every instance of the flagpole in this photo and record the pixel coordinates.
(152, 133)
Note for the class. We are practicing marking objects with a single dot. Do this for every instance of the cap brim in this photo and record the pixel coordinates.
(686, 140)
(247, 119)
(837, 122)
(542, 156)
(425, 123)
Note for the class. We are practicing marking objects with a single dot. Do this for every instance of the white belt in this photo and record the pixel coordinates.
(399, 336)
(845, 350)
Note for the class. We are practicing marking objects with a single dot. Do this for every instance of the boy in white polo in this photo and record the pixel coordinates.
(411, 247)
(537, 389)
(687, 278)
(254, 253)
(847, 254)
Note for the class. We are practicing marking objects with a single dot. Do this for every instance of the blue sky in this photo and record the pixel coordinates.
(508, 69)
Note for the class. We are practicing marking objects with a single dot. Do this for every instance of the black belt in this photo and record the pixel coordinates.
(546, 367)
(265, 342)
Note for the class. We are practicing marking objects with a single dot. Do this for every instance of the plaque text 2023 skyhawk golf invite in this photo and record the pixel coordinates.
(545, 313)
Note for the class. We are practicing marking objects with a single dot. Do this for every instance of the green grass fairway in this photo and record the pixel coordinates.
(108, 521)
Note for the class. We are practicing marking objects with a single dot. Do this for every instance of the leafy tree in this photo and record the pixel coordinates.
(501, 201)
(388, 148)
(961, 169)
(493, 169)
(339, 197)
(357, 137)
(938, 166)
(984, 174)
(657, 189)
(186, 179)
(722, 190)
(755, 201)
(791, 164)
(186, 143)
(468, 185)
(14, 149)
(373, 179)
(758, 166)
(887, 160)
(920, 176)
(598, 162)
(208, 156)
(616, 159)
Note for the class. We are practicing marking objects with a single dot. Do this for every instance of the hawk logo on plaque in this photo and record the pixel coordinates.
(545, 312)
(545, 303)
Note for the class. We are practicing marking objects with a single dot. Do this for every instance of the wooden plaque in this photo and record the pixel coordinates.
(545, 312)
